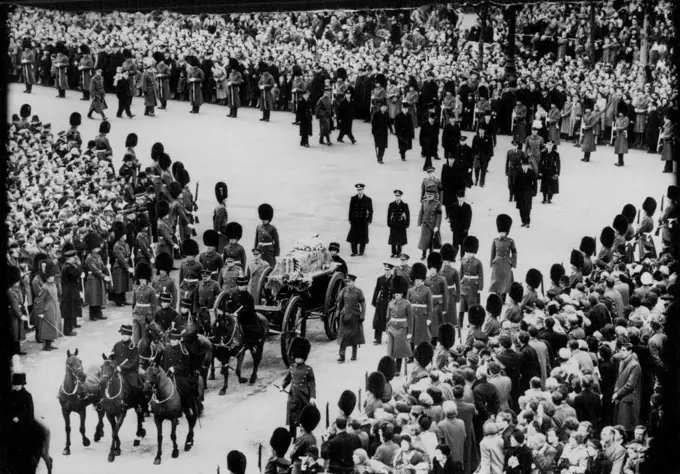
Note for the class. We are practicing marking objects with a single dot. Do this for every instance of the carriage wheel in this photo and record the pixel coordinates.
(293, 326)
(262, 292)
(330, 320)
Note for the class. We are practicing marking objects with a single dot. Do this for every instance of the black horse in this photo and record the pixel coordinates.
(152, 346)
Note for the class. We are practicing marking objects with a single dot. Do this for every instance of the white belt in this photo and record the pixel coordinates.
(398, 319)
(190, 280)
(437, 296)
(417, 305)
(451, 287)
(471, 277)
(142, 305)
(266, 243)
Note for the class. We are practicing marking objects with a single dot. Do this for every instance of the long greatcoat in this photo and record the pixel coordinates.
(302, 389)
(234, 90)
(98, 95)
(398, 220)
(621, 138)
(430, 216)
(163, 74)
(94, 283)
(588, 143)
(351, 310)
(628, 386)
(380, 127)
(61, 65)
(399, 325)
(15, 302)
(149, 88)
(452, 278)
(120, 277)
(265, 86)
(195, 82)
(85, 66)
(420, 298)
(668, 137)
(28, 66)
(360, 215)
(47, 304)
(71, 305)
(503, 260)
(303, 115)
(324, 112)
(382, 295)
(550, 172)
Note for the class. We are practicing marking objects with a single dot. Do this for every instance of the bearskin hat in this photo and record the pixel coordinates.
(26, 43)
(14, 275)
(447, 252)
(265, 212)
(299, 348)
(400, 285)
(190, 247)
(630, 212)
(446, 335)
(158, 57)
(418, 271)
(75, 119)
(25, 111)
(341, 73)
(434, 260)
(375, 384)
(309, 418)
(234, 230)
(620, 224)
(607, 237)
(347, 402)
(192, 61)
(176, 167)
(163, 209)
(164, 161)
(297, 71)
(673, 193)
(588, 246)
(388, 367)
(517, 291)
(471, 244)
(84, 49)
(381, 79)
(534, 278)
(40, 257)
(483, 92)
(143, 271)
(503, 223)
(557, 271)
(577, 259)
(262, 67)
(164, 262)
(61, 48)
(221, 192)
(50, 269)
(119, 230)
(210, 238)
(93, 241)
(233, 64)
(175, 189)
(157, 150)
(68, 250)
(424, 353)
(649, 206)
(127, 54)
(622, 108)
(280, 441)
(183, 178)
(476, 315)
(236, 462)
(105, 127)
(494, 304)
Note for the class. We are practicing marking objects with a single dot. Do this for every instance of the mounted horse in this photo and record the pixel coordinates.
(118, 397)
(228, 341)
(77, 391)
(150, 347)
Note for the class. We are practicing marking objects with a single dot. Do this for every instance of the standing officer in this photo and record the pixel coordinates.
(429, 140)
(228, 276)
(431, 181)
(195, 79)
(28, 65)
(266, 235)
(85, 66)
(482, 150)
(525, 183)
(519, 126)
(302, 383)
(266, 84)
(346, 116)
(380, 126)
(303, 118)
(534, 145)
(398, 220)
(429, 221)
(513, 163)
(234, 81)
(588, 142)
(351, 310)
(324, 112)
(254, 273)
(621, 131)
(550, 172)
(403, 129)
(381, 298)
(360, 216)
(163, 73)
(503, 257)
(206, 292)
(460, 218)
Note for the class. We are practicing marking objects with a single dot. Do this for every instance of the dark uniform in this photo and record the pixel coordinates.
(206, 294)
(398, 220)
(212, 261)
(302, 390)
(513, 164)
(440, 302)
(267, 239)
(126, 358)
(403, 129)
(143, 250)
(236, 251)
(303, 117)
(482, 150)
(227, 279)
(360, 216)
(178, 358)
(165, 317)
(144, 303)
(165, 284)
(381, 299)
(345, 119)
(351, 308)
(189, 275)
(525, 184)
(550, 172)
(380, 126)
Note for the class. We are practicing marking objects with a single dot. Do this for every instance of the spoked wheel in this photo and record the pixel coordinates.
(263, 294)
(330, 319)
(293, 325)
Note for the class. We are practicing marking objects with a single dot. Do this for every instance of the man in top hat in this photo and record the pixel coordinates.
(300, 378)
(234, 81)
(403, 129)
(126, 357)
(28, 65)
(163, 283)
(382, 294)
(381, 125)
(144, 302)
(398, 220)
(513, 163)
(550, 167)
(189, 270)
(266, 235)
(519, 116)
(525, 182)
(346, 114)
(431, 181)
(334, 250)
(429, 140)
(360, 216)
(195, 78)
(266, 83)
(303, 117)
(351, 311)
(234, 231)
(324, 112)
(429, 221)
(620, 132)
(460, 219)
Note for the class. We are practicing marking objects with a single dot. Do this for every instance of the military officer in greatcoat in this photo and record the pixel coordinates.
(429, 221)
(398, 220)
(351, 311)
(163, 73)
(126, 358)
(534, 145)
(644, 232)
(525, 189)
(399, 320)
(513, 163)
(360, 216)
(265, 84)
(519, 125)
(85, 66)
(28, 65)
(189, 270)
(144, 302)
(228, 275)
(588, 122)
(429, 181)
(324, 112)
(382, 294)
(207, 291)
(163, 283)
(404, 269)
(255, 272)
(210, 259)
(452, 278)
(121, 270)
(620, 132)
(166, 237)
(195, 78)
(503, 257)
(234, 81)
(97, 277)
(302, 382)
(550, 172)
(420, 298)
(234, 232)
(266, 235)
(440, 294)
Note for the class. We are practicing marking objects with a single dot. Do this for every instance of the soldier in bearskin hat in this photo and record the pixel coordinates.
(533, 279)
(163, 283)
(494, 306)
(166, 238)
(195, 78)
(71, 304)
(423, 355)
(163, 74)
(452, 278)
(440, 295)
(279, 442)
(375, 390)
(61, 64)
(211, 259)
(472, 278)
(85, 66)
(265, 84)
(266, 235)
(298, 88)
(476, 317)
(557, 271)
(420, 298)
(180, 218)
(149, 86)
(630, 212)
(97, 278)
(122, 269)
(233, 233)
(236, 462)
(308, 421)
(388, 367)
(144, 302)
(351, 310)
(620, 226)
(254, 272)
(399, 323)
(28, 65)
(576, 261)
(189, 270)
(588, 248)
(604, 257)
(446, 337)
(142, 248)
(234, 81)
(300, 378)
(503, 257)
(347, 403)
(382, 294)
(644, 231)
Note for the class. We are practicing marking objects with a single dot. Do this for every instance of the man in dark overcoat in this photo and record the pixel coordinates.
(302, 382)
(403, 129)
(382, 295)
(429, 140)
(360, 216)
(380, 127)
(398, 220)
(346, 115)
(126, 357)
(464, 154)
(513, 163)
(451, 137)
(303, 116)
(324, 112)
(460, 218)
(482, 150)
(525, 182)
(550, 172)
(627, 390)
(351, 311)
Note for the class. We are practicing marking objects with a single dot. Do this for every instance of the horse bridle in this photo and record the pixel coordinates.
(75, 389)
(228, 344)
(120, 388)
(155, 390)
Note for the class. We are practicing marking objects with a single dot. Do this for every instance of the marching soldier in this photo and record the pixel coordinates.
(403, 269)
(420, 298)
(206, 292)
(303, 118)
(667, 144)
(534, 145)
(220, 215)
(195, 78)
(525, 185)
(429, 221)
(234, 232)
(166, 239)
(163, 73)
(85, 66)
(403, 129)
(189, 270)
(188, 201)
(429, 140)
(550, 172)
(126, 358)
(334, 249)
(210, 259)
(254, 273)
(144, 303)
(266, 235)
(482, 150)
(464, 154)
(503, 257)
(97, 278)
(163, 283)
(228, 276)
(98, 98)
(360, 216)
(266, 84)
(382, 294)
(122, 270)
(149, 87)
(302, 382)
(351, 310)
(621, 134)
(324, 112)
(472, 279)
(234, 81)
(644, 231)
(398, 220)
(519, 127)
(431, 181)
(513, 163)
(130, 70)
(440, 294)
(452, 278)
(380, 127)
(28, 64)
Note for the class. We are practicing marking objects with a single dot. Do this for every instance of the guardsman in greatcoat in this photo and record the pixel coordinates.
(503, 257)
(61, 64)
(351, 311)
(234, 232)
(210, 259)
(404, 269)
(234, 81)
(97, 278)
(323, 110)
(667, 144)
(122, 270)
(420, 298)
(551, 167)
(452, 278)
(163, 73)
(266, 84)
(588, 122)
(163, 283)
(300, 378)
(126, 358)
(189, 270)
(429, 221)
(382, 295)
(621, 133)
(440, 294)
(471, 281)
(221, 216)
(513, 163)
(142, 247)
(360, 216)
(254, 273)
(206, 292)
(144, 302)
(266, 235)
(166, 238)
(398, 220)
(28, 65)
(228, 275)
(85, 66)
(399, 322)
(519, 125)
(298, 88)
(195, 78)
(644, 231)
